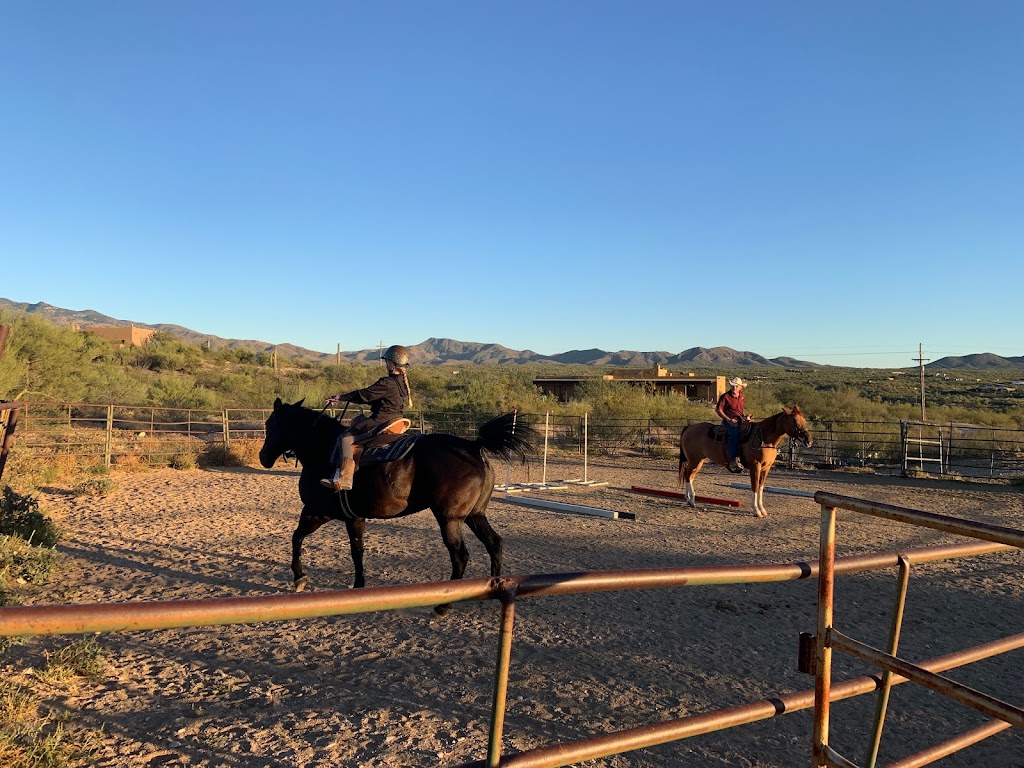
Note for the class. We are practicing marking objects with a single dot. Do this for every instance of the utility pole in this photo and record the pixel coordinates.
(339, 353)
(920, 362)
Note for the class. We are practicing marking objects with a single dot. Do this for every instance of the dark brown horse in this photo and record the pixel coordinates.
(447, 474)
(759, 447)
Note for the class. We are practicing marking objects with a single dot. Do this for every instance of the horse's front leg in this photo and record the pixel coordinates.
(355, 530)
(307, 524)
(758, 475)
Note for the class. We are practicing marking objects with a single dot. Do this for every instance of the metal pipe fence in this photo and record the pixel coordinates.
(23, 621)
(892, 666)
(107, 432)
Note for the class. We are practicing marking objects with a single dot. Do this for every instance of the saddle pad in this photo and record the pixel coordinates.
(389, 451)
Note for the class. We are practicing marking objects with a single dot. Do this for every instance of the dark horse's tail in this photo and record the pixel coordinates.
(505, 437)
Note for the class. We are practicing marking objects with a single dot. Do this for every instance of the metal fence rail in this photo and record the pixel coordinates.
(106, 432)
(20, 621)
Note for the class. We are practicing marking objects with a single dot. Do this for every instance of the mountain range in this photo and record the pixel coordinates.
(449, 351)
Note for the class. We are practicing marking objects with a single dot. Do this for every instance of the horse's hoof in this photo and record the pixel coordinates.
(300, 583)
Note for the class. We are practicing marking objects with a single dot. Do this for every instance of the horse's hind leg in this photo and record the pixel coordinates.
(687, 473)
(307, 524)
(451, 535)
(492, 542)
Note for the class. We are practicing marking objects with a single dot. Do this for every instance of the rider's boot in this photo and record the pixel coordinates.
(342, 478)
(348, 469)
(734, 465)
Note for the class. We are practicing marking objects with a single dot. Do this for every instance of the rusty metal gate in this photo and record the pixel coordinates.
(88, 618)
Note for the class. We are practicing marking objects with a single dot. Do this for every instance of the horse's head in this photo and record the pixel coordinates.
(280, 432)
(796, 426)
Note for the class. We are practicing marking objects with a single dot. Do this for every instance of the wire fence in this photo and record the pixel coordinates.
(106, 433)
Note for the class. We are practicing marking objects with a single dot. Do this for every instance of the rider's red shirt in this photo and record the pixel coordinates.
(732, 405)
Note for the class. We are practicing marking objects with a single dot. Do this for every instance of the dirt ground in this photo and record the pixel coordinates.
(408, 688)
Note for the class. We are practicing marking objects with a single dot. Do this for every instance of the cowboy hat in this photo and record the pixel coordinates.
(737, 382)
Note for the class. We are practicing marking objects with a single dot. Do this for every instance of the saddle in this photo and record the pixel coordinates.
(386, 443)
(750, 431)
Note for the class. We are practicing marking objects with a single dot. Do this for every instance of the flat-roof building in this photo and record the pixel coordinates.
(662, 381)
(126, 335)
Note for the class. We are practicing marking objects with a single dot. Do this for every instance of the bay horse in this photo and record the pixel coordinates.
(449, 475)
(759, 446)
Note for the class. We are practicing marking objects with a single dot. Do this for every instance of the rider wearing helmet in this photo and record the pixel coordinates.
(386, 398)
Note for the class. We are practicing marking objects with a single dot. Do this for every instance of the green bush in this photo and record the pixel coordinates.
(20, 516)
(83, 658)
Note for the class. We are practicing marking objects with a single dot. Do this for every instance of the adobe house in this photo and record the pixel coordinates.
(662, 381)
(123, 335)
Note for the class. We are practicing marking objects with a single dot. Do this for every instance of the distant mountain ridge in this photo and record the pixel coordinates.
(436, 351)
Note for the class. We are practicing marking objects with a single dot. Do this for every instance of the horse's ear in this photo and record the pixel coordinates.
(796, 409)
(300, 402)
(277, 403)
(787, 411)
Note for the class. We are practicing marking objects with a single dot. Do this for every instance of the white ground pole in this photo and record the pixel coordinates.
(575, 509)
(773, 489)
(586, 451)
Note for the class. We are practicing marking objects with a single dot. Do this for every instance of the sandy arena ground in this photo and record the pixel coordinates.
(408, 688)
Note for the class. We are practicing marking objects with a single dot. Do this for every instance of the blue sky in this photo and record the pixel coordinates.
(838, 182)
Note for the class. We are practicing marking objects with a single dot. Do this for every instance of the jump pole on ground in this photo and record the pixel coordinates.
(576, 509)
(677, 495)
(773, 489)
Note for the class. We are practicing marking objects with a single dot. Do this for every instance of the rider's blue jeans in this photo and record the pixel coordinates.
(732, 442)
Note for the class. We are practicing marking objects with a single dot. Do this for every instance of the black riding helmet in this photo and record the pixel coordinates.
(397, 354)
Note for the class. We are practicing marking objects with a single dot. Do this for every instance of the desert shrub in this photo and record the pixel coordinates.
(170, 391)
(21, 563)
(97, 486)
(32, 736)
(20, 516)
(82, 658)
(129, 462)
(184, 460)
(245, 452)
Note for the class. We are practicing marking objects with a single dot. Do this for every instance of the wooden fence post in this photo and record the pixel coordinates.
(108, 449)
(227, 430)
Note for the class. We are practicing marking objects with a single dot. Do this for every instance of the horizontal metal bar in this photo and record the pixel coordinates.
(18, 621)
(645, 736)
(966, 695)
(946, 748)
(957, 525)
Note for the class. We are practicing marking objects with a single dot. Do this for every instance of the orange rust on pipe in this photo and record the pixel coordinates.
(958, 525)
(930, 755)
(19, 621)
(676, 495)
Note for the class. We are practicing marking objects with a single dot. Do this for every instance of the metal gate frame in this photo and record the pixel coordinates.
(895, 669)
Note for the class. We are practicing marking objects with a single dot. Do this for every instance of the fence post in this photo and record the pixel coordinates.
(108, 449)
(227, 431)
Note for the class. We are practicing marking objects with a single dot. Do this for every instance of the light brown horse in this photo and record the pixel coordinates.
(759, 445)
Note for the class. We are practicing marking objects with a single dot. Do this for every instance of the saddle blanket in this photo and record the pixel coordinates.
(390, 451)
